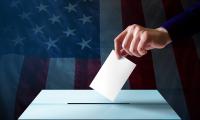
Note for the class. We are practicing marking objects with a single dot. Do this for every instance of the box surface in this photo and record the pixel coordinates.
(88, 104)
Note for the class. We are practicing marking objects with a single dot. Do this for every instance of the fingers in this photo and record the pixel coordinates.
(148, 47)
(141, 45)
(118, 42)
(127, 41)
(134, 42)
(123, 53)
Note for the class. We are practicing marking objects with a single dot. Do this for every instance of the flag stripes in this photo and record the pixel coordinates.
(85, 71)
(186, 4)
(10, 68)
(32, 79)
(143, 75)
(109, 31)
(166, 73)
(187, 62)
(61, 73)
(174, 70)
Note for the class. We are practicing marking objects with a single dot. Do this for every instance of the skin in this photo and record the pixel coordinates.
(136, 40)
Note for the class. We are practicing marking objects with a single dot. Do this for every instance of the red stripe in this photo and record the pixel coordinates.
(143, 75)
(187, 62)
(85, 71)
(32, 80)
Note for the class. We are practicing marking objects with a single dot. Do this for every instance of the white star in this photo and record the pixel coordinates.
(25, 15)
(38, 29)
(71, 7)
(14, 3)
(42, 7)
(84, 43)
(85, 19)
(69, 32)
(51, 43)
(55, 19)
(18, 41)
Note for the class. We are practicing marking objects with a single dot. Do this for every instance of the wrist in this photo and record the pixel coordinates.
(165, 34)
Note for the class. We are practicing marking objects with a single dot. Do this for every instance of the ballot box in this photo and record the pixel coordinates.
(88, 104)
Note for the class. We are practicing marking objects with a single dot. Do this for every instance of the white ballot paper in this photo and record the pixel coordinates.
(112, 76)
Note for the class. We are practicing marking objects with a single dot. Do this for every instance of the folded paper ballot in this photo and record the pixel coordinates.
(112, 76)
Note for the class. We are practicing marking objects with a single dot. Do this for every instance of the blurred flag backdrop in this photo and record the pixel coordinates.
(61, 44)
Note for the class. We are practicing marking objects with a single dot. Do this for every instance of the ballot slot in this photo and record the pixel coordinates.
(99, 103)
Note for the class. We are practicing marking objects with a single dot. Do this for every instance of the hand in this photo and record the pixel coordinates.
(136, 40)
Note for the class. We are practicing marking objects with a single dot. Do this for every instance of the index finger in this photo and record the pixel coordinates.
(141, 46)
(118, 42)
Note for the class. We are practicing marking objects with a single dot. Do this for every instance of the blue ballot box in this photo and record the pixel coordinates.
(88, 104)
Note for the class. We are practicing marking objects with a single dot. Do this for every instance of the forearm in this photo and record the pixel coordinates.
(185, 24)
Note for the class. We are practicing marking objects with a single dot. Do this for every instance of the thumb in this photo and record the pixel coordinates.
(148, 47)
(123, 52)
(141, 47)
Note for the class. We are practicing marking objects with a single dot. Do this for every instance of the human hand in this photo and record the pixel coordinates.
(136, 40)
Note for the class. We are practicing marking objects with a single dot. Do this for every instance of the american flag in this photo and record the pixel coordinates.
(61, 44)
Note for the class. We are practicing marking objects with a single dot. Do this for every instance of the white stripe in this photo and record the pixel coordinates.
(196, 37)
(166, 73)
(61, 73)
(110, 26)
(10, 70)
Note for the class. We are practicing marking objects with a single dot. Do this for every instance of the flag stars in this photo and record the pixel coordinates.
(71, 8)
(85, 19)
(54, 19)
(51, 43)
(84, 43)
(38, 29)
(42, 7)
(15, 3)
(25, 15)
(69, 32)
(18, 41)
